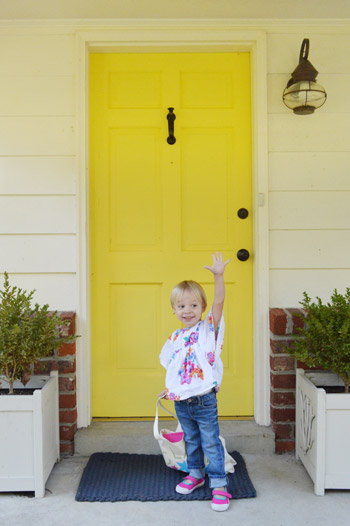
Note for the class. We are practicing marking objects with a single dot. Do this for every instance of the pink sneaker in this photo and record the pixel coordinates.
(219, 504)
(188, 485)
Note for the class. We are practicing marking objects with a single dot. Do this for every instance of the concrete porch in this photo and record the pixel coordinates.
(137, 437)
(284, 498)
(285, 492)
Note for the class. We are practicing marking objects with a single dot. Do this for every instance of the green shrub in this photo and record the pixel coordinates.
(325, 337)
(26, 333)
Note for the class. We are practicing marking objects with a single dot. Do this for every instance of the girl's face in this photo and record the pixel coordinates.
(188, 309)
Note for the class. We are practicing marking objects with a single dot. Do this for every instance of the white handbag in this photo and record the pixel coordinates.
(173, 447)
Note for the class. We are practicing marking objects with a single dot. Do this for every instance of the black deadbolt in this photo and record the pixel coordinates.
(243, 213)
(243, 254)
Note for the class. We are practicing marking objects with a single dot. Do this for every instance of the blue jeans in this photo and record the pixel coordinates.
(198, 417)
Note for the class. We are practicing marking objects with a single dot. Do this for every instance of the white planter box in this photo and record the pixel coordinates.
(29, 436)
(323, 430)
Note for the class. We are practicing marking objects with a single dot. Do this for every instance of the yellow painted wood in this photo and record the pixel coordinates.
(157, 212)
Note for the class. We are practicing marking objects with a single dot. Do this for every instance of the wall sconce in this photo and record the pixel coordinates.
(302, 94)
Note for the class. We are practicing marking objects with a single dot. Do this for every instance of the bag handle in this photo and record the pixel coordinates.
(156, 433)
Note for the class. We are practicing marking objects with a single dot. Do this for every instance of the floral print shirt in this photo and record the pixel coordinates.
(191, 357)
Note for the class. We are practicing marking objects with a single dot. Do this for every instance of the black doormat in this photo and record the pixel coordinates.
(112, 477)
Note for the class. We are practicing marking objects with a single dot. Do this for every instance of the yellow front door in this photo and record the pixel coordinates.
(159, 210)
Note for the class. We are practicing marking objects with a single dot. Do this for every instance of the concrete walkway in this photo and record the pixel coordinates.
(285, 498)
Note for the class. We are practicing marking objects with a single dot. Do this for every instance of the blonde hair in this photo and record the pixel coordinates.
(190, 286)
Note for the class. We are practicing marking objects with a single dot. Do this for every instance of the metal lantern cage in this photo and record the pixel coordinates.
(303, 94)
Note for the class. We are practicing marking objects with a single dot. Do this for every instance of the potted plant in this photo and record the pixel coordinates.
(322, 396)
(29, 436)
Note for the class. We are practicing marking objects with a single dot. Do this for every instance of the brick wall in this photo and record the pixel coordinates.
(283, 330)
(64, 361)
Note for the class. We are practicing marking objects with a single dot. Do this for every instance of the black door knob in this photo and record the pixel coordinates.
(243, 213)
(243, 254)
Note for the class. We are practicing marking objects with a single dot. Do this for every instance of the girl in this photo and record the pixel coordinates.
(191, 357)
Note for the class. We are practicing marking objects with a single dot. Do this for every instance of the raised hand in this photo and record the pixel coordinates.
(218, 266)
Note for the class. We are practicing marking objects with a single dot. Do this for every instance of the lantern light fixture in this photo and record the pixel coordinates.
(303, 94)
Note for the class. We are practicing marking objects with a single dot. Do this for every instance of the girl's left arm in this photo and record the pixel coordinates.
(218, 269)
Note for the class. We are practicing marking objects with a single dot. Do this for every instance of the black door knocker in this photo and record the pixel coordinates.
(171, 117)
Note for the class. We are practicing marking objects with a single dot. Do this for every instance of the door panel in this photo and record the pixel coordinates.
(158, 211)
(135, 206)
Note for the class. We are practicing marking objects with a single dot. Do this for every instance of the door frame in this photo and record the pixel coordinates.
(149, 37)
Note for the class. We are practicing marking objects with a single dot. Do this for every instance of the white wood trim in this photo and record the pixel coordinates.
(39, 482)
(275, 25)
(83, 235)
(261, 236)
(179, 37)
